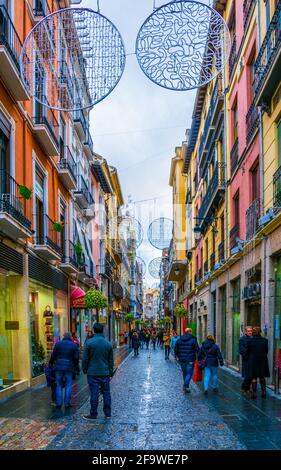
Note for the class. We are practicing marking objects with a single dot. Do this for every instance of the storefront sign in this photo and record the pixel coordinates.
(12, 325)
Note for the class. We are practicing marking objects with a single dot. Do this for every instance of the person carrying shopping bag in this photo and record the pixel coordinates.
(209, 360)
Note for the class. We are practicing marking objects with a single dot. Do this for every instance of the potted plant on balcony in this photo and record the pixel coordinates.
(180, 311)
(78, 249)
(94, 299)
(129, 318)
(25, 192)
(167, 322)
(58, 226)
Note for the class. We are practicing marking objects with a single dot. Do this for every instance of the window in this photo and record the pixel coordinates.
(279, 142)
(222, 228)
(255, 183)
(236, 208)
(39, 206)
(62, 138)
(235, 123)
(4, 152)
(206, 249)
(64, 228)
(39, 92)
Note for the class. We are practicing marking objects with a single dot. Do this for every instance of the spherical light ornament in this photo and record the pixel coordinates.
(72, 59)
(183, 45)
(160, 232)
(142, 265)
(130, 230)
(154, 268)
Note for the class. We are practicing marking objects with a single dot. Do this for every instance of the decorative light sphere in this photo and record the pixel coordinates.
(72, 59)
(183, 45)
(154, 267)
(160, 232)
(131, 230)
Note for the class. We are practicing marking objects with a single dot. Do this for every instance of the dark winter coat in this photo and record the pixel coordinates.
(65, 356)
(242, 351)
(211, 351)
(186, 348)
(135, 342)
(256, 357)
(98, 357)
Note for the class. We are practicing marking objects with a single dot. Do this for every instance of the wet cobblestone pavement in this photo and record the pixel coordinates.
(150, 412)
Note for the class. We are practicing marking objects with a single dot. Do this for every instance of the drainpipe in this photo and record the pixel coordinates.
(260, 122)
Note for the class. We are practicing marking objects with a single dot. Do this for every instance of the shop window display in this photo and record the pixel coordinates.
(6, 339)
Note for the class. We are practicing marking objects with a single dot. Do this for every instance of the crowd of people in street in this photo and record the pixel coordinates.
(196, 362)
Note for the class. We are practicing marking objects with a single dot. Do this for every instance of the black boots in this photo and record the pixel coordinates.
(263, 388)
(254, 390)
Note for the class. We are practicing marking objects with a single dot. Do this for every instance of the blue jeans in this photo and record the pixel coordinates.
(210, 372)
(96, 385)
(63, 378)
(187, 372)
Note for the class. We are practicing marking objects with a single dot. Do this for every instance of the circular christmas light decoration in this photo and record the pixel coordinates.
(154, 267)
(183, 45)
(160, 232)
(142, 265)
(131, 231)
(72, 59)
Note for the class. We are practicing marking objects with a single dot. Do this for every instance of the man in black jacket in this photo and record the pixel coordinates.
(245, 387)
(186, 349)
(65, 356)
(98, 364)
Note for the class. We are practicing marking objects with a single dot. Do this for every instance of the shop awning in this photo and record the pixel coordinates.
(76, 292)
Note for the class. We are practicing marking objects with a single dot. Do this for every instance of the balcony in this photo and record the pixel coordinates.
(70, 261)
(15, 211)
(87, 272)
(80, 125)
(48, 245)
(206, 267)
(234, 233)
(234, 156)
(212, 262)
(252, 218)
(277, 188)
(216, 188)
(117, 291)
(232, 57)
(10, 49)
(82, 195)
(248, 7)
(41, 9)
(222, 251)
(68, 170)
(88, 145)
(46, 130)
(65, 85)
(215, 106)
(252, 122)
(268, 63)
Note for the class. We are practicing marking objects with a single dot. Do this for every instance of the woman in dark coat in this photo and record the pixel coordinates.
(211, 355)
(257, 362)
(135, 343)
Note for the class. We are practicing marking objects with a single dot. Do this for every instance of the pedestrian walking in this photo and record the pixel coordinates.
(75, 339)
(186, 349)
(257, 362)
(210, 355)
(154, 339)
(135, 343)
(160, 339)
(246, 384)
(65, 358)
(167, 341)
(50, 374)
(147, 338)
(174, 339)
(141, 338)
(98, 364)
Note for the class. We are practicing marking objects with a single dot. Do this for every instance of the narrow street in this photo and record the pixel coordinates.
(149, 412)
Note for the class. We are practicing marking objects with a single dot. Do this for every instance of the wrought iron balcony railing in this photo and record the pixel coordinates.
(232, 56)
(234, 156)
(252, 121)
(222, 251)
(248, 6)
(89, 140)
(72, 256)
(51, 237)
(83, 188)
(12, 202)
(234, 233)
(216, 184)
(41, 8)
(79, 116)
(268, 51)
(277, 188)
(67, 162)
(207, 127)
(212, 261)
(252, 218)
(47, 118)
(9, 36)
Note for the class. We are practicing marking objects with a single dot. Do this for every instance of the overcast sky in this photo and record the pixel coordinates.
(137, 127)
